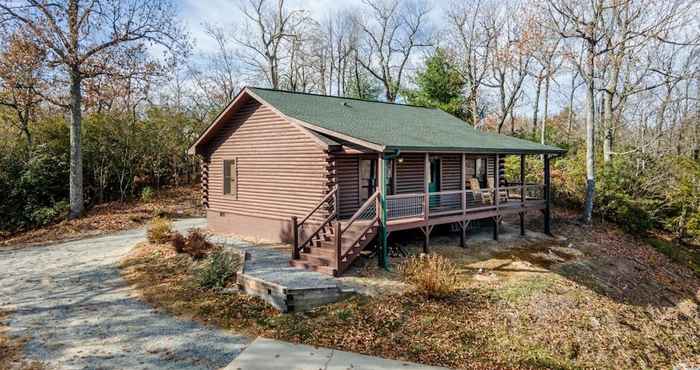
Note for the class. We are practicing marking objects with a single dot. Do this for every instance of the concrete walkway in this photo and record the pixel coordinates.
(268, 354)
(266, 274)
(71, 302)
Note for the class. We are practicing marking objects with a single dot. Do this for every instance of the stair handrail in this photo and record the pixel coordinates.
(297, 226)
(325, 199)
(372, 200)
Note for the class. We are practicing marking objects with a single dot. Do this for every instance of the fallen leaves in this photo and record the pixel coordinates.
(613, 302)
(11, 356)
(113, 216)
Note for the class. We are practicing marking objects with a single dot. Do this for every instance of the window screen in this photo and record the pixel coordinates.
(231, 177)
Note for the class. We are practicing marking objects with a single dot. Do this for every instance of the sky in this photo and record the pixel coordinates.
(196, 13)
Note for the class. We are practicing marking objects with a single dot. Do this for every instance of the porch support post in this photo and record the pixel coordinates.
(547, 196)
(496, 220)
(497, 178)
(426, 242)
(522, 195)
(426, 180)
(383, 255)
(464, 184)
(463, 237)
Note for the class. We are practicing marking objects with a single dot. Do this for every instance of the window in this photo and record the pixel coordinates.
(231, 177)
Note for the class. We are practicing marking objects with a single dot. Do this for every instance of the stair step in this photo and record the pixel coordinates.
(330, 242)
(311, 267)
(321, 260)
(321, 252)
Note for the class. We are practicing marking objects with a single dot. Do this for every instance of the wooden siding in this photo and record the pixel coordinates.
(451, 172)
(348, 179)
(281, 170)
(410, 173)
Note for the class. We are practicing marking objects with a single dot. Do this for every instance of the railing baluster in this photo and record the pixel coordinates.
(295, 236)
(338, 246)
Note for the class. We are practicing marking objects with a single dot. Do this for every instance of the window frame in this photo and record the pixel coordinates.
(230, 177)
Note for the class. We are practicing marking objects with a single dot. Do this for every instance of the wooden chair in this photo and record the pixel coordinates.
(485, 195)
(502, 194)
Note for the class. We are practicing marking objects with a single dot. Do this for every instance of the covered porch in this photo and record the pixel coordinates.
(423, 190)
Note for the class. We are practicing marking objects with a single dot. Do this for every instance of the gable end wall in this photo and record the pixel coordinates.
(281, 173)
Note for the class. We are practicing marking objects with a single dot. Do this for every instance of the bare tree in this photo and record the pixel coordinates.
(545, 53)
(513, 45)
(218, 79)
(82, 38)
(393, 30)
(472, 43)
(269, 26)
(583, 22)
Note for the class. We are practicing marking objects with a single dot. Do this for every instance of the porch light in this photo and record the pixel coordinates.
(400, 159)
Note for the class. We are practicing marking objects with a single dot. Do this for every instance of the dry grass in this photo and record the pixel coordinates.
(113, 216)
(619, 306)
(433, 275)
(165, 279)
(11, 356)
(159, 230)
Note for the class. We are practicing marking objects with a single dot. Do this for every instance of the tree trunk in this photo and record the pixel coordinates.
(546, 109)
(571, 109)
(76, 161)
(608, 116)
(590, 135)
(536, 108)
(473, 107)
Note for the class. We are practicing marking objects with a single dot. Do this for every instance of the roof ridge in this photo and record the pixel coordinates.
(339, 97)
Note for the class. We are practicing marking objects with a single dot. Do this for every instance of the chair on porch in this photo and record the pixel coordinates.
(485, 194)
(502, 194)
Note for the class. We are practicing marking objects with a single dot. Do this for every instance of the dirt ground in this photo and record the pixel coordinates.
(591, 296)
(113, 216)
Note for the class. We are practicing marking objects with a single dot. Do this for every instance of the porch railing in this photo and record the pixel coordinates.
(453, 202)
(405, 205)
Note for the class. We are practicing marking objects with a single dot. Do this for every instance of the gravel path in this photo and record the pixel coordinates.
(79, 313)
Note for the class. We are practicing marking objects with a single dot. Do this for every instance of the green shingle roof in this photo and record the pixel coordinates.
(394, 126)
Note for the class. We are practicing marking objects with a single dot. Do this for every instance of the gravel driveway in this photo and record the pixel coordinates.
(79, 313)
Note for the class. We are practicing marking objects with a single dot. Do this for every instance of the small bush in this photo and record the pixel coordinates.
(159, 230)
(178, 242)
(196, 244)
(48, 215)
(160, 212)
(217, 271)
(433, 275)
(147, 194)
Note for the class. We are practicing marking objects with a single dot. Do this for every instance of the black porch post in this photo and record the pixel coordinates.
(496, 220)
(547, 197)
(522, 195)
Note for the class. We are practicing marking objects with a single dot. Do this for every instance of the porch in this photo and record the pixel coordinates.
(375, 195)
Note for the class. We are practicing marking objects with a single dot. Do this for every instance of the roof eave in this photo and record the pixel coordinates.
(192, 150)
(423, 149)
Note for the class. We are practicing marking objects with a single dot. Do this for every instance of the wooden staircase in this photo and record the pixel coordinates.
(333, 245)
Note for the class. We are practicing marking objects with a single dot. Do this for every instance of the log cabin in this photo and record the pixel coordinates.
(333, 176)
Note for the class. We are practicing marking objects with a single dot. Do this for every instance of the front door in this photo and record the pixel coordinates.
(434, 184)
(368, 178)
